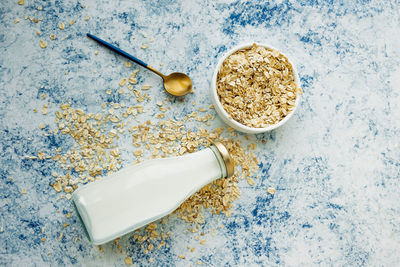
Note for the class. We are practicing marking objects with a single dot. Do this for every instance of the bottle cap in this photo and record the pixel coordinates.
(226, 157)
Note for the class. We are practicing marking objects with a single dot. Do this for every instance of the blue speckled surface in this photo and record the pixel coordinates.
(335, 165)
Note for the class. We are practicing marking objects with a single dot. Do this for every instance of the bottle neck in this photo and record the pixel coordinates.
(221, 162)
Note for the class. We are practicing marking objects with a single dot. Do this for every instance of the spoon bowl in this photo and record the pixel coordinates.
(178, 84)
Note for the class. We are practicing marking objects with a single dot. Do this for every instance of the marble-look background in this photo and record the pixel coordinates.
(335, 164)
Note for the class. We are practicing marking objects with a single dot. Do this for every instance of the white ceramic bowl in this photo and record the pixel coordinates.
(226, 117)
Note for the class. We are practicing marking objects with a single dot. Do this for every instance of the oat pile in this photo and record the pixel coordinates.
(92, 153)
(256, 86)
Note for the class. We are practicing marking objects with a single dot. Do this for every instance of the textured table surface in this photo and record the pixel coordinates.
(335, 165)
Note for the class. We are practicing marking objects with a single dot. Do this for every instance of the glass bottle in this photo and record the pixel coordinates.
(140, 194)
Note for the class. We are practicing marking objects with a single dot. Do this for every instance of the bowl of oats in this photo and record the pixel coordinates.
(255, 88)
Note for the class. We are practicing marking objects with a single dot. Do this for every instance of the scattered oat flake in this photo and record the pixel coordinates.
(38, 33)
(271, 190)
(144, 46)
(122, 82)
(71, 22)
(128, 261)
(65, 225)
(181, 256)
(300, 90)
(16, 20)
(23, 191)
(202, 242)
(128, 64)
(138, 153)
(52, 37)
(65, 106)
(96, 52)
(151, 39)
(199, 262)
(43, 44)
(132, 80)
(21, 2)
(41, 155)
(57, 187)
(114, 119)
(40, 8)
(61, 26)
(250, 181)
(146, 87)
(43, 239)
(87, 18)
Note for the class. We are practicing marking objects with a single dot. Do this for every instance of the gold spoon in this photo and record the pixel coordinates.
(177, 83)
